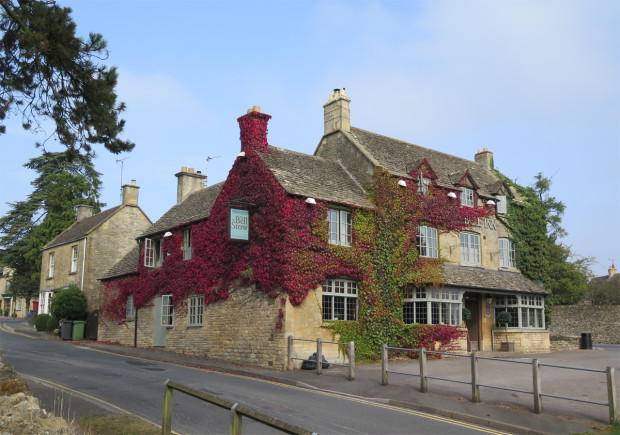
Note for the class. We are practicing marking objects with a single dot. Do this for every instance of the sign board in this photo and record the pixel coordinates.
(239, 224)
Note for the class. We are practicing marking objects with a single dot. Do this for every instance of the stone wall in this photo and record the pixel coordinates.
(524, 341)
(570, 321)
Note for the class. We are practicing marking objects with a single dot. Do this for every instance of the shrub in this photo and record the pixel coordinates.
(41, 322)
(69, 304)
(52, 323)
(604, 292)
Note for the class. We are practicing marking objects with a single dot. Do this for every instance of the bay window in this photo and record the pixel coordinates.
(433, 306)
(527, 310)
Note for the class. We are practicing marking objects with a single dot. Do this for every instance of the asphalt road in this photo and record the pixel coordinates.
(78, 381)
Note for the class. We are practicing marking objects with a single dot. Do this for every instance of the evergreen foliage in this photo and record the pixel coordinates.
(62, 182)
(47, 73)
(40, 323)
(604, 292)
(69, 304)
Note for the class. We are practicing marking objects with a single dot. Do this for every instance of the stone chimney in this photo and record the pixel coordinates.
(188, 182)
(612, 271)
(130, 194)
(336, 112)
(253, 126)
(83, 212)
(485, 158)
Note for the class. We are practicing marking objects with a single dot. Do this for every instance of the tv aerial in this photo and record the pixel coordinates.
(209, 158)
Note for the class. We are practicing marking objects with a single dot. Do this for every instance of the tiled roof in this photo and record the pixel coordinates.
(313, 176)
(80, 229)
(195, 207)
(490, 280)
(401, 158)
(125, 266)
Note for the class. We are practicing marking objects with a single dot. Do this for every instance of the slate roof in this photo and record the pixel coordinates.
(125, 266)
(313, 176)
(195, 207)
(80, 229)
(401, 158)
(490, 280)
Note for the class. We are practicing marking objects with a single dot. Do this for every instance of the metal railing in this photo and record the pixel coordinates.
(319, 355)
(475, 383)
(237, 412)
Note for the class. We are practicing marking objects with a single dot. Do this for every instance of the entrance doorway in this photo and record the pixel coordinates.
(472, 303)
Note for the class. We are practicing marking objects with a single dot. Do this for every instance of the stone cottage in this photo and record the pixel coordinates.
(91, 246)
(368, 229)
(10, 305)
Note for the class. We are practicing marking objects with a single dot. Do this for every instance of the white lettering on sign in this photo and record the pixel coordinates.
(239, 224)
(490, 224)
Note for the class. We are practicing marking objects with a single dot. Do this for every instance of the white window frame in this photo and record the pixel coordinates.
(528, 311)
(467, 197)
(423, 185)
(433, 306)
(74, 258)
(152, 253)
(167, 311)
(340, 299)
(339, 227)
(501, 204)
(470, 249)
(50, 269)
(187, 244)
(196, 310)
(506, 253)
(427, 242)
(130, 311)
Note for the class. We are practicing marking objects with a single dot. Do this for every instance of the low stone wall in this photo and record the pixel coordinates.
(523, 341)
(570, 321)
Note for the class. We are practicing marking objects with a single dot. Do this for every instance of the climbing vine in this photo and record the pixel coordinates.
(288, 252)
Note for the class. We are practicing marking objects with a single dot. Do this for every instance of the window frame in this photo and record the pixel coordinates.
(427, 244)
(507, 258)
(424, 185)
(432, 306)
(528, 311)
(50, 267)
(339, 227)
(167, 311)
(337, 297)
(130, 309)
(153, 252)
(186, 246)
(74, 259)
(467, 197)
(195, 312)
(470, 249)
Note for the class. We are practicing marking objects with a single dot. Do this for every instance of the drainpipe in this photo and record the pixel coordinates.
(135, 331)
(83, 264)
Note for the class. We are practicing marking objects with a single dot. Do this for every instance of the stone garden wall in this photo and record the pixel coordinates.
(570, 321)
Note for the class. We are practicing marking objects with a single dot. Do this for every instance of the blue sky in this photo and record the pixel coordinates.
(536, 82)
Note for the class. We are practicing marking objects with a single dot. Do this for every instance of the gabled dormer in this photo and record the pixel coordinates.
(424, 175)
(468, 188)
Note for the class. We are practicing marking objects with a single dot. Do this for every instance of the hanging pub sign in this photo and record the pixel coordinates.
(238, 224)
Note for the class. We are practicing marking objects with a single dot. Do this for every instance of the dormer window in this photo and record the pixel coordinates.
(152, 253)
(467, 197)
(339, 222)
(423, 185)
(501, 204)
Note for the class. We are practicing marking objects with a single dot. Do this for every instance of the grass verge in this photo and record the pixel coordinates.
(116, 424)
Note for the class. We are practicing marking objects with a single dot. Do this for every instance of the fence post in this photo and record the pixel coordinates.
(538, 409)
(384, 365)
(319, 356)
(166, 420)
(289, 365)
(475, 388)
(351, 360)
(235, 421)
(611, 394)
(422, 358)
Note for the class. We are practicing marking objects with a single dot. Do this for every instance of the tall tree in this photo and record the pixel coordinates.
(63, 181)
(47, 72)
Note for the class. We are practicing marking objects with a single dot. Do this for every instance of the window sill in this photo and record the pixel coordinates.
(72, 273)
(194, 326)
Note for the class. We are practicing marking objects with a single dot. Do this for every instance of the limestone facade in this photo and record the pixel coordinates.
(90, 247)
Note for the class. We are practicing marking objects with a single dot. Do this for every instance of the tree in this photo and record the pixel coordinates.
(555, 209)
(63, 182)
(47, 72)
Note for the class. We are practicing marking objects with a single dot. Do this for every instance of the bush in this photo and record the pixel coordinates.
(52, 323)
(41, 322)
(604, 292)
(69, 304)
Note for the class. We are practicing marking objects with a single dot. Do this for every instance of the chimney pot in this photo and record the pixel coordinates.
(190, 170)
(183, 168)
(133, 182)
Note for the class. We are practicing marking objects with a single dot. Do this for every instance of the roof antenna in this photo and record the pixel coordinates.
(122, 162)
(207, 171)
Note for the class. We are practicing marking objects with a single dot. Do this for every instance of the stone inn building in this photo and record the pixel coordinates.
(368, 234)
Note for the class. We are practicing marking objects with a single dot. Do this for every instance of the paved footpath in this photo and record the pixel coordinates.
(500, 409)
